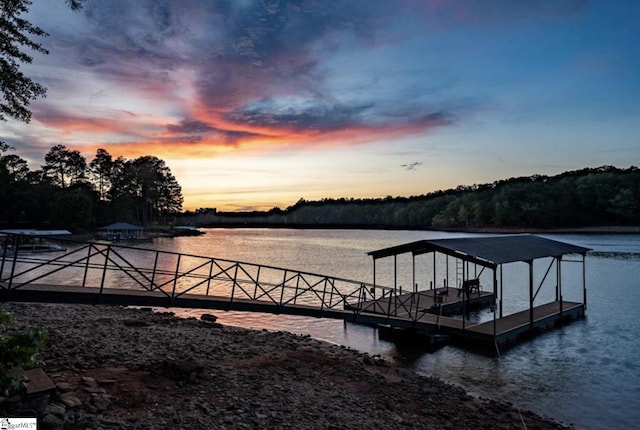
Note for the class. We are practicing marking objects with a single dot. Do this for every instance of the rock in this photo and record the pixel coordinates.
(136, 323)
(65, 386)
(80, 418)
(69, 420)
(55, 409)
(182, 369)
(89, 381)
(95, 390)
(101, 402)
(51, 422)
(208, 317)
(70, 399)
(213, 324)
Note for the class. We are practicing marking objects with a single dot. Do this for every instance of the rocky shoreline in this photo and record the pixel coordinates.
(122, 368)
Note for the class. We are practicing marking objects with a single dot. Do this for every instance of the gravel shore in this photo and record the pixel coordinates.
(121, 368)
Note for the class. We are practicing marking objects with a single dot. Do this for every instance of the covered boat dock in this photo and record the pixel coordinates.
(477, 280)
(121, 231)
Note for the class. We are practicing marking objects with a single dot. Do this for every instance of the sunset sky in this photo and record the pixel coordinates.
(258, 103)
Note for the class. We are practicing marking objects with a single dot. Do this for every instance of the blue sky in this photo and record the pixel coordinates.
(255, 104)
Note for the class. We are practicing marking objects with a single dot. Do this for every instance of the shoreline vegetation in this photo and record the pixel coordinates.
(125, 368)
(514, 230)
(581, 199)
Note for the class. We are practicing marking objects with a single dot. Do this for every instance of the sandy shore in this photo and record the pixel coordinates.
(118, 368)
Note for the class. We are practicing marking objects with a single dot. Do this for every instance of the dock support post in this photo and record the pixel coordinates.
(434, 270)
(584, 282)
(495, 293)
(557, 279)
(501, 282)
(559, 282)
(530, 295)
(415, 286)
(447, 269)
(464, 298)
(374, 278)
(434, 292)
(395, 273)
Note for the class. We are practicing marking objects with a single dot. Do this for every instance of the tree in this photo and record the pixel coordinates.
(72, 207)
(17, 89)
(64, 167)
(12, 168)
(625, 205)
(146, 187)
(17, 36)
(102, 168)
(13, 174)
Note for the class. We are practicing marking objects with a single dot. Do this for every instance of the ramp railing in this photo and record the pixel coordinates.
(105, 268)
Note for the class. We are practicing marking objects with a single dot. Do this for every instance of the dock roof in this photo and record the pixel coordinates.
(493, 250)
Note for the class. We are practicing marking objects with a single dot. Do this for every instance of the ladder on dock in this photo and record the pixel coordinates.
(459, 272)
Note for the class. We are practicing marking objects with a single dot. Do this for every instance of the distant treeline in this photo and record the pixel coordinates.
(583, 198)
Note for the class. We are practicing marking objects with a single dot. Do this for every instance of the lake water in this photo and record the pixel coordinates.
(586, 373)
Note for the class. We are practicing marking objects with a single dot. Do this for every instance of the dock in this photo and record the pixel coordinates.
(446, 313)
(509, 330)
(115, 274)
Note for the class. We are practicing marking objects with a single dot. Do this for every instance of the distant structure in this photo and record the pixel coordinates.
(121, 231)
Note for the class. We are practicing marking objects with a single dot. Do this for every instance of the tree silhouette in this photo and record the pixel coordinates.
(18, 39)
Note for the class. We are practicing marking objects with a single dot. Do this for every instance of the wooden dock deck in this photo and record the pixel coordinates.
(511, 327)
(423, 306)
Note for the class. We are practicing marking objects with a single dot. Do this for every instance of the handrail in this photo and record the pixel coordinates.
(107, 266)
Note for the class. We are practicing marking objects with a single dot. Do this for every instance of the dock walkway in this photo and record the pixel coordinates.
(46, 293)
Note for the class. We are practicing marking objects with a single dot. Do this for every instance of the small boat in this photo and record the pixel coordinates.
(30, 241)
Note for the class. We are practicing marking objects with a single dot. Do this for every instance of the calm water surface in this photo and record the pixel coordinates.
(586, 373)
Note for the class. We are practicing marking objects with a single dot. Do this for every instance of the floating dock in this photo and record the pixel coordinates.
(500, 333)
(445, 310)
